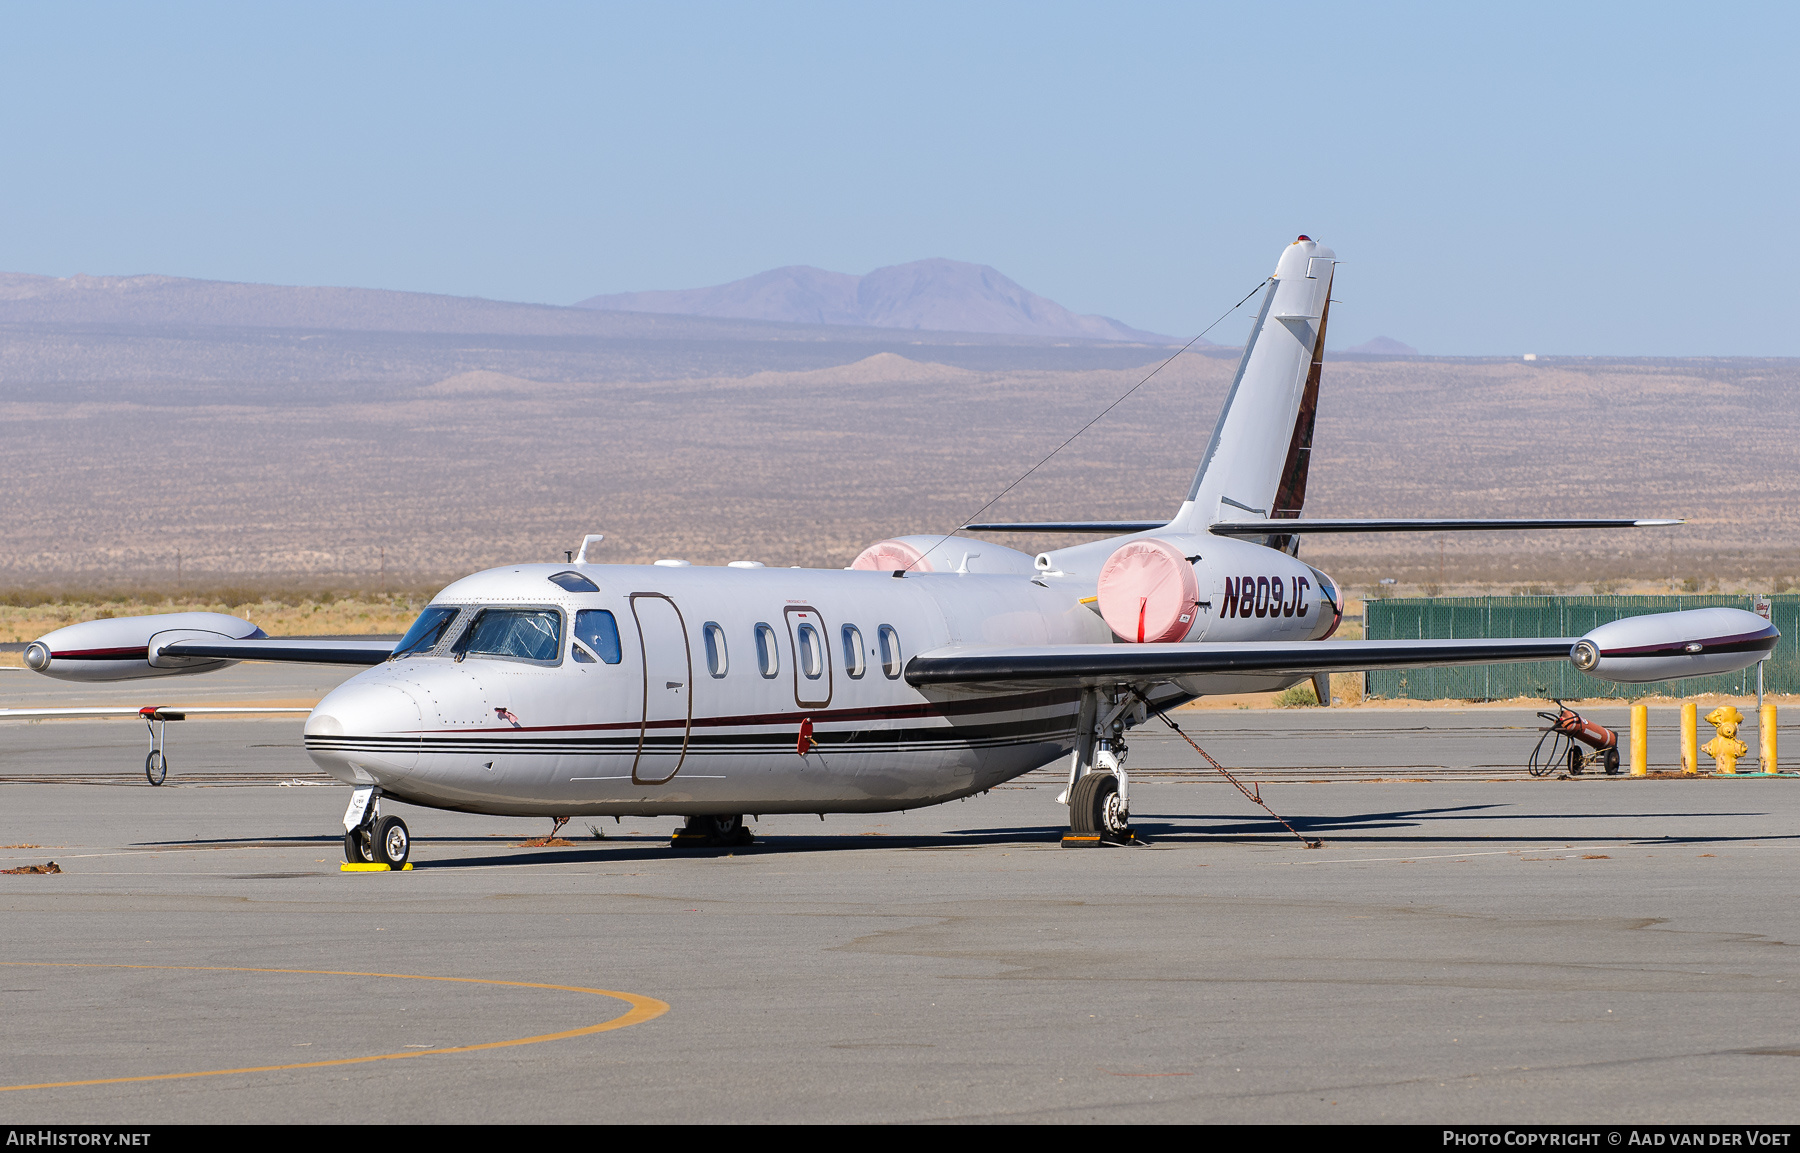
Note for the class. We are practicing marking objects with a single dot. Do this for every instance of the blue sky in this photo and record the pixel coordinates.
(1561, 178)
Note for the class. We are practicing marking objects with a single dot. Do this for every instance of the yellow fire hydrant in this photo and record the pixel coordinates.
(1725, 749)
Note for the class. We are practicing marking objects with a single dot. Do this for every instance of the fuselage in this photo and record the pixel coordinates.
(675, 689)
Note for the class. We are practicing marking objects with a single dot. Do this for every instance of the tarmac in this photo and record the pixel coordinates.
(1470, 945)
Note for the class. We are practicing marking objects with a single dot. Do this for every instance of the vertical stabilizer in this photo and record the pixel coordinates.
(1255, 466)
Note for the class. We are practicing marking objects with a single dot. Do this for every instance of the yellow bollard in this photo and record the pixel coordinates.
(1690, 738)
(1766, 730)
(1725, 749)
(1640, 740)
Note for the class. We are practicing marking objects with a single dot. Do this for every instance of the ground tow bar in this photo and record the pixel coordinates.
(1255, 794)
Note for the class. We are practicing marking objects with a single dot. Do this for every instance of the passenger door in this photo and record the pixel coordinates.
(668, 688)
(811, 650)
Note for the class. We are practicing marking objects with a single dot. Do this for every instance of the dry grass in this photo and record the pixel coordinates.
(304, 616)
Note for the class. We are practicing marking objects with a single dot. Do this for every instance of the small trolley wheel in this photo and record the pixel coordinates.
(356, 847)
(156, 767)
(1612, 762)
(391, 842)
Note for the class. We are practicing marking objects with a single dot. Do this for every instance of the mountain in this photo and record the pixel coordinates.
(1384, 346)
(940, 295)
(161, 301)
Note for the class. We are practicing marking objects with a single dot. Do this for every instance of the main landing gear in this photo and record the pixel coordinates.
(1098, 795)
(713, 832)
(369, 837)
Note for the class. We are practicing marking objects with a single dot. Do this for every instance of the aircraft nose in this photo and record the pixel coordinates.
(362, 733)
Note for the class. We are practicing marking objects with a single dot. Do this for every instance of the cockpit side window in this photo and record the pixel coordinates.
(597, 629)
(427, 631)
(513, 634)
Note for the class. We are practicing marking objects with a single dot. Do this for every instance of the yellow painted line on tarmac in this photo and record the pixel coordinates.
(641, 1009)
(1666, 843)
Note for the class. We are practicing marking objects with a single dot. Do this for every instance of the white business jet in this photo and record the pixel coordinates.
(933, 668)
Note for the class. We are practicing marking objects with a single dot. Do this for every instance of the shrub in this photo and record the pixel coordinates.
(1300, 696)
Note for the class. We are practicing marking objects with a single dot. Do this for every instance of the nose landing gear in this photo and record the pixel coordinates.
(372, 839)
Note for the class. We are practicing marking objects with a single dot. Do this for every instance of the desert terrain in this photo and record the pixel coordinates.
(145, 449)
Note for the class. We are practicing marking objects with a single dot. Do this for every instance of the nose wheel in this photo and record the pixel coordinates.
(392, 844)
(386, 842)
(372, 839)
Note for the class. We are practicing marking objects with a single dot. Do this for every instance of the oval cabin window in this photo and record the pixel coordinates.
(853, 651)
(768, 657)
(717, 659)
(812, 651)
(890, 652)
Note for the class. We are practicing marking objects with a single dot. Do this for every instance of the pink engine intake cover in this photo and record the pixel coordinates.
(888, 555)
(1148, 591)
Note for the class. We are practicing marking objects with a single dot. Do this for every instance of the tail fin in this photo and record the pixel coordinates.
(1255, 466)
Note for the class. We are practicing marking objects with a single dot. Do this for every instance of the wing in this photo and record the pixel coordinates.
(982, 666)
(148, 712)
(1289, 527)
(1103, 526)
(308, 650)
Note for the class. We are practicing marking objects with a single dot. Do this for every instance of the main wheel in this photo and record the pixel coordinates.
(391, 842)
(725, 829)
(1096, 809)
(356, 847)
(156, 767)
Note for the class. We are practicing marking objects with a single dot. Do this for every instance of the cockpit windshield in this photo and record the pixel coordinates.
(519, 634)
(427, 631)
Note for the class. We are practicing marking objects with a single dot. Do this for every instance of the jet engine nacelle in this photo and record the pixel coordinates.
(126, 648)
(1669, 646)
(1184, 586)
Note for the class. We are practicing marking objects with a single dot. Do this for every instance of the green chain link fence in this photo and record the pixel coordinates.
(1447, 618)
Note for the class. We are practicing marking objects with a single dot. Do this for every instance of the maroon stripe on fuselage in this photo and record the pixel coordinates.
(1048, 698)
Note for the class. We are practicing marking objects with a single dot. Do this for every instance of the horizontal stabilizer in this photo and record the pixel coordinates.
(306, 651)
(1104, 526)
(1290, 527)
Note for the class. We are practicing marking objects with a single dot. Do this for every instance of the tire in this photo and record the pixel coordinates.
(356, 848)
(391, 842)
(1094, 809)
(1612, 762)
(725, 830)
(156, 767)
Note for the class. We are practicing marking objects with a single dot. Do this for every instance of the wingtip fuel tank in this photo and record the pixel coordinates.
(129, 648)
(1669, 646)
